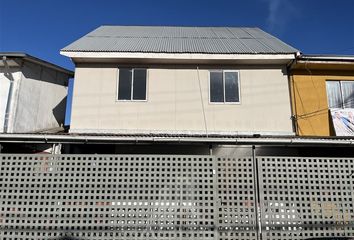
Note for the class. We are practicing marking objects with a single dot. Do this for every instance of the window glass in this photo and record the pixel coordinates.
(125, 84)
(348, 94)
(334, 95)
(231, 87)
(139, 85)
(216, 87)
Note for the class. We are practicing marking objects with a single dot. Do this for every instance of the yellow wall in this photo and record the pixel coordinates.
(309, 100)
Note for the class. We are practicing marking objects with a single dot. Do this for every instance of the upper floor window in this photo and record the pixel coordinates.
(340, 94)
(132, 84)
(224, 86)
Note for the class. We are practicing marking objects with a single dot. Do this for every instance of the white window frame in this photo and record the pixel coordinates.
(132, 88)
(341, 91)
(223, 82)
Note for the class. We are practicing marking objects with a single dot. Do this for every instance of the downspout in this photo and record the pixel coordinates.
(8, 109)
(292, 94)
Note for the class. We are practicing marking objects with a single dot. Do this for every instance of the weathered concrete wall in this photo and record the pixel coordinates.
(41, 99)
(174, 102)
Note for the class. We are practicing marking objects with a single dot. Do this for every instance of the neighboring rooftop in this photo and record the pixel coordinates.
(327, 57)
(11, 57)
(168, 39)
(324, 62)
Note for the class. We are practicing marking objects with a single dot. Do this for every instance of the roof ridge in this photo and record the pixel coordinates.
(176, 26)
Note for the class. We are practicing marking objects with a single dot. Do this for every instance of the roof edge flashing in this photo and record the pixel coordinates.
(178, 56)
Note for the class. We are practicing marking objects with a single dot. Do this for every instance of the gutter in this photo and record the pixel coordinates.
(8, 109)
(70, 139)
(327, 58)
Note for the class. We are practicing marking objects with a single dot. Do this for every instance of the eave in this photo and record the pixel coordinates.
(184, 58)
(174, 139)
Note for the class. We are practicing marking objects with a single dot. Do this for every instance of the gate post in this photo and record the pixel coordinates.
(256, 194)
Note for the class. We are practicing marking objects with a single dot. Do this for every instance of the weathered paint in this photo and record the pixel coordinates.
(309, 96)
(174, 102)
(7, 76)
(38, 99)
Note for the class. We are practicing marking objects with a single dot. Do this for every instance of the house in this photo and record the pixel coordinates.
(323, 95)
(32, 94)
(170, 139)
(181, 80)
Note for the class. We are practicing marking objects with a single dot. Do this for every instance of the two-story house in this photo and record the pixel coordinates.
(185, 133)
(181, 80)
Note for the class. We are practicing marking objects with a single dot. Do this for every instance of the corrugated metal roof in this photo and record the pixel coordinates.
(159, 39)
(175, 138)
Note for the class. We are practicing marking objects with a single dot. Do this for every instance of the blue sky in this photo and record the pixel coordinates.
(43, 27)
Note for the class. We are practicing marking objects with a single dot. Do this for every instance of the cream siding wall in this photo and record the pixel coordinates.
(174, 102)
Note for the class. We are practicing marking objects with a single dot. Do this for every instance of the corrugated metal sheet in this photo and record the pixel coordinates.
(158, 39)
(175, 138)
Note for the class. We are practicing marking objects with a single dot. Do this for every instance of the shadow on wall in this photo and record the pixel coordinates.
(36, 72)
(332, 131)
(59, 111)
(67, 238)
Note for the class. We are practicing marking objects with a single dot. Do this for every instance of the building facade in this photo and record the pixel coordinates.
(170, 139)
(323, 86)
(181, 80)
(32, 94)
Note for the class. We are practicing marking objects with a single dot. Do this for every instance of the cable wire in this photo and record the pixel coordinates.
(202, 102)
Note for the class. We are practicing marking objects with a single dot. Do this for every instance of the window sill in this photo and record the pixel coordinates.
(224, 103)
(127, 101)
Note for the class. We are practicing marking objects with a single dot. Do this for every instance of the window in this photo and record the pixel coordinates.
(132, 84)
(340, 94)
(224, 87)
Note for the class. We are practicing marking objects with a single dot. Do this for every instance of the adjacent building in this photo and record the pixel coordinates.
(32, 94)
(181, 80)
(323, 95)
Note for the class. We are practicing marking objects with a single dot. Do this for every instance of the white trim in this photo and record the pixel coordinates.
(186, 56)
(132, 87)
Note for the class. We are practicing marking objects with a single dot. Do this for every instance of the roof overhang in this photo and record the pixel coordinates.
(129, 57)
(14, 59)
(155, 139)
(324, 62)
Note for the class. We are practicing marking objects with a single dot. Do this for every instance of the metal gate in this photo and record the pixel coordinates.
(174, 197)
(301, 198)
